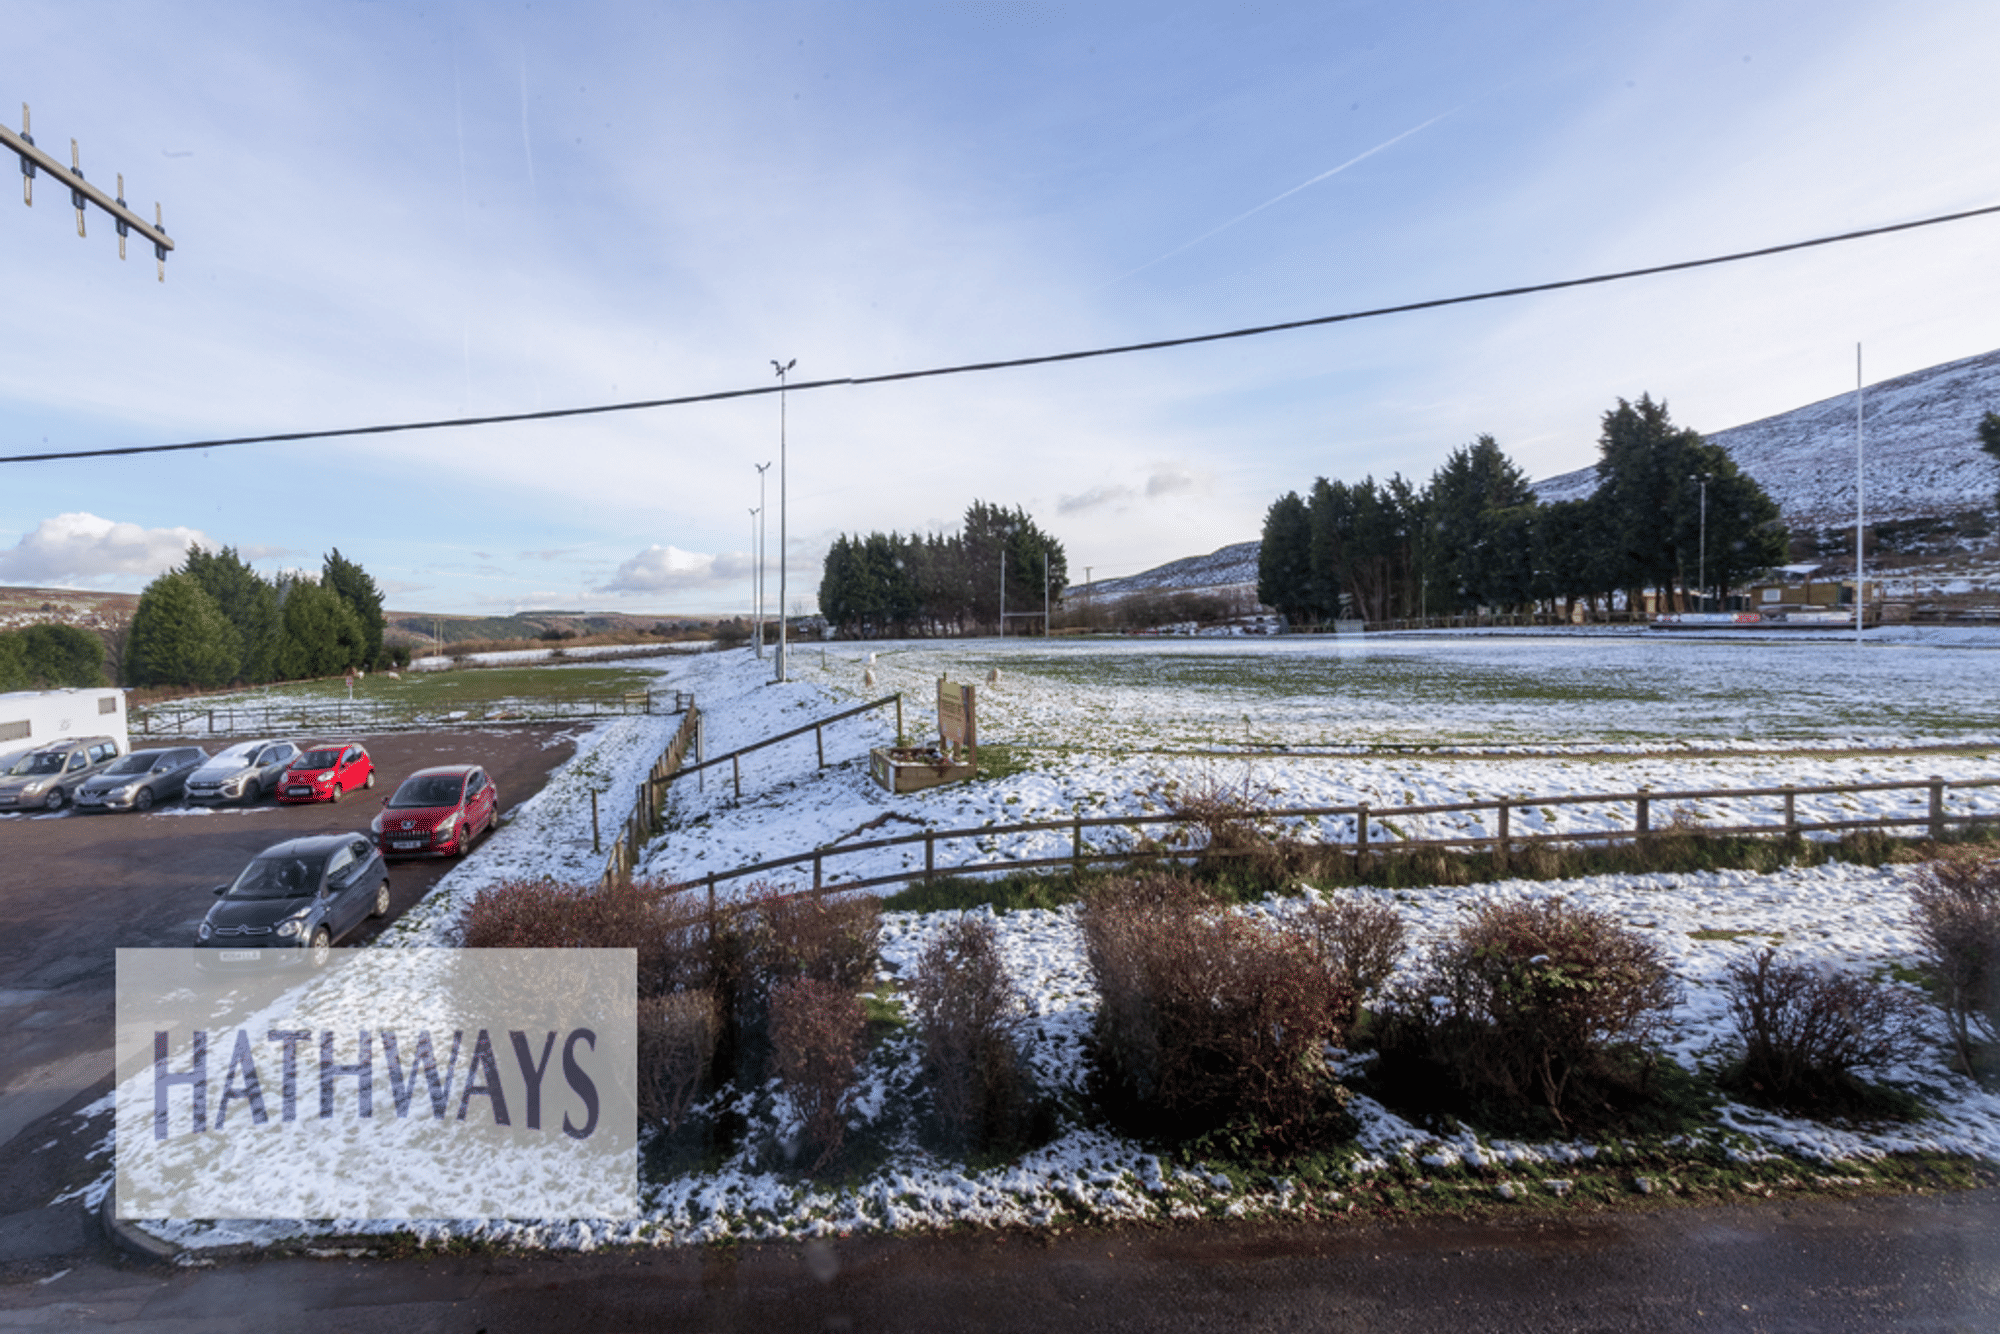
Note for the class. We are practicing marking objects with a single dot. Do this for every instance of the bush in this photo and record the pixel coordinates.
(1956, 908)
(816, 1030)
(826, 938)
(1207, 1019)
(1805, 1030)
(1358, 940)
(669, 931)
(1536, 1008)
(971, 1020)
(678, 1034)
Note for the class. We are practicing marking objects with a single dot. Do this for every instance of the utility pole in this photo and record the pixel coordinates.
(1045, 592)
(781, 370)
(1860, 508)
(756, 607)
(1701, 559)
(82, 192)
(759, 546)
(1003, 590)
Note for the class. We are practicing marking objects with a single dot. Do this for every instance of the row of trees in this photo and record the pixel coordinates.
(889, 584)
(50, 657)
(1475, 535)
(213, 620)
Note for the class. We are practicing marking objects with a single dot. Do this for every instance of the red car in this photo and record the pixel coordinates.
(326, 771)
(438, 811)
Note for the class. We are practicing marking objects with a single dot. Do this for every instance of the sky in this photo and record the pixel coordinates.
(393, 212)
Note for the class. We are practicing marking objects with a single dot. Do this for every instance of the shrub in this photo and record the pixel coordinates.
(1208, 1019)
(678, 1033)
(1956, 907)
(971, 1019)
(1358, 940)
(669, 931)
(1805, 1030)
(826, 938)
(816, 1030)
(1535, 1006)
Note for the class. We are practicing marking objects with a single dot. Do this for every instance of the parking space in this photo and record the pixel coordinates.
(76, 887)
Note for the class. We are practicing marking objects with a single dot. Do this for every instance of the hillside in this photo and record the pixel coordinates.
(1922, 446)
(1229, 567)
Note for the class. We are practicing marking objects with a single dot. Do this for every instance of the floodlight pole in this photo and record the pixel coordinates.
(756, 607)
(1701, 558)
(762, 508)
(779, 675)
(1860, 508)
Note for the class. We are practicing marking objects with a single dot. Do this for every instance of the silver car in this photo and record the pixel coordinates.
(244, 772)
(46, 778)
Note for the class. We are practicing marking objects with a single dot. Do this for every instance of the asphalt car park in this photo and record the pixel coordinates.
(75, 888)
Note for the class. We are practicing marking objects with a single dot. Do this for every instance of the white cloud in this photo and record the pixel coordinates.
(82, 547)
(660, 569)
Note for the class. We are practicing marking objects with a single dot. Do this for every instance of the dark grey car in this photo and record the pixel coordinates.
(243, 772)
(293, 901)
(141, 780)
(48, 776)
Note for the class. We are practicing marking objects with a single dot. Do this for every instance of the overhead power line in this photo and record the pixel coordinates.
(1045, 359)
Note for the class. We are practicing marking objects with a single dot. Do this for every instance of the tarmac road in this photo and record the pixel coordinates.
(1887, 1263)
(75, 888)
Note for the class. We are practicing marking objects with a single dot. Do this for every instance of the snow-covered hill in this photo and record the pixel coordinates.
(1922, 449)
(1232, 566)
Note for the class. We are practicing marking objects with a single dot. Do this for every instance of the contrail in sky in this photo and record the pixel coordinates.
(1278, 199)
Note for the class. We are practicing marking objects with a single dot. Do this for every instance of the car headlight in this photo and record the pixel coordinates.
(127, 792)
(326, 777)
(375, 825)
(204, 931)
(234, 787)
(450, 822)
(291, 926)
(33, 789)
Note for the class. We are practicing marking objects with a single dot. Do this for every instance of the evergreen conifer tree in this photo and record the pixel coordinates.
(180, 637)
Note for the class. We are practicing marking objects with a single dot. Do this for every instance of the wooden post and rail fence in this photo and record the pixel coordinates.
(645, 820)
(1374, 833)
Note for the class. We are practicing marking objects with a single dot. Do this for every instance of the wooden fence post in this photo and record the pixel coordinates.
(595, 849)
(1500, 849)
(899, 717)
(1361, 838)
(736, 771)
(1937, 809)
(930, 854)
(1791, 812)
(1076, 845)
(819, 743)
(816, 870)
(1642, 813)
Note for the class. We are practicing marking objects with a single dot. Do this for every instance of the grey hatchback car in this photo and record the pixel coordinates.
(46, 778)
(139, 780)
(293, 901)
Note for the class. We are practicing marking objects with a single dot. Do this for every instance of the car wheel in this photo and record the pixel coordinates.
(321, 948)
(336, 789)
(464, 841)
(381, 900)
(371, 779)
(54, 801)
(143, 799)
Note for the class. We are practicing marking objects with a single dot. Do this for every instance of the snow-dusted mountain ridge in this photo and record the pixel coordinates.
(1921, 438)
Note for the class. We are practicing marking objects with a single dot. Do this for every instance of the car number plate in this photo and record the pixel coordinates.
(406, 844)
(298, 792)
(239, 956)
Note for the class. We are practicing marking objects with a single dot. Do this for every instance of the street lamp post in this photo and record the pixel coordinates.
(1701, 559)
(782, 370)
(758, 548)
(756, 606)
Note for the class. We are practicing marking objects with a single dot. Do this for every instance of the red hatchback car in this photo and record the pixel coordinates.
(438, 811)
(326, 771)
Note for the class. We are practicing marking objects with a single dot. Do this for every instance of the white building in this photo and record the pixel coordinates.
(38, 717)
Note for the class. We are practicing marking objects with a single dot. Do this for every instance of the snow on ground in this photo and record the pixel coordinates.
(1096, 726)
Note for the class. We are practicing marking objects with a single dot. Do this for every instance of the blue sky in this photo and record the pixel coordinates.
(388, 212)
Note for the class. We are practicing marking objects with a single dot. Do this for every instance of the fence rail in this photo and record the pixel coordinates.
(734, 758)
(1373, 832)
(179, 718)
(644, 820)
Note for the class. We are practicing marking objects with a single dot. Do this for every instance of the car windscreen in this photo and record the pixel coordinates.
(133, 764)
(282, 877)
(428, 790)
(318, 759)
(237, 754)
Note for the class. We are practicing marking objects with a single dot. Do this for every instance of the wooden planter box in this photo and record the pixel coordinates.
(914, 768)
